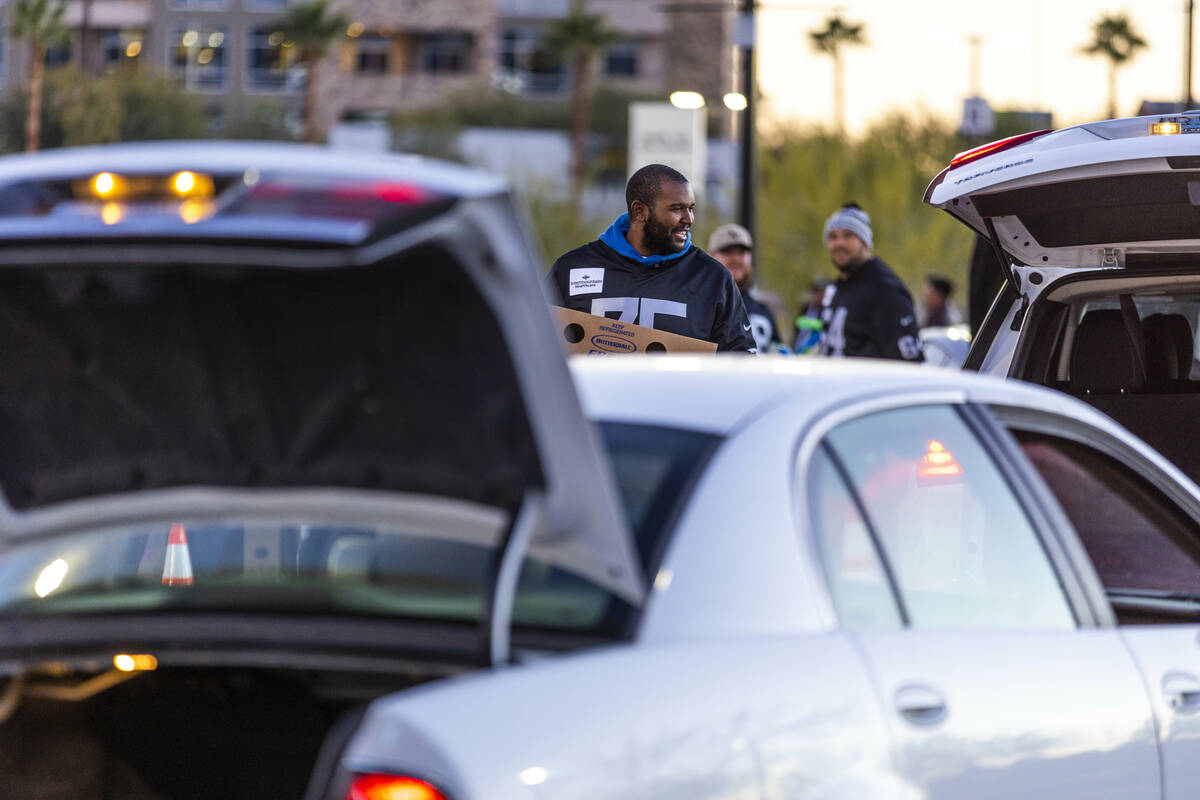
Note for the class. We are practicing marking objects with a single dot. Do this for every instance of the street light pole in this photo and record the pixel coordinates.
(745, 43)
(1187, 76)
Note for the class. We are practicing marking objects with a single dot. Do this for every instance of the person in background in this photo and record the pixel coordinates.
(645, 270)
(936, 310)
(732, 246)
(867, 311)
(808, 324)
(816, 297)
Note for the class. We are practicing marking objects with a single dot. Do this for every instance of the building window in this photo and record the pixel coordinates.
(265, 5)
(59, 55)
(122, 48)
(199, 55)
(270, 61)
(443, 53)
(374, 55)
(528, 64)
(621, 61)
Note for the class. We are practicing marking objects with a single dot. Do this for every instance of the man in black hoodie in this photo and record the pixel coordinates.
(645, 270)
(867, 311)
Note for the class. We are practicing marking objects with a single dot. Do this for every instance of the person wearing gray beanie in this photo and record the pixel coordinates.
(850, 218)
(868, 311)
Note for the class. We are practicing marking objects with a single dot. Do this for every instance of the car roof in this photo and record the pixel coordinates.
(267, 193)
(720, 393)
(234, 156)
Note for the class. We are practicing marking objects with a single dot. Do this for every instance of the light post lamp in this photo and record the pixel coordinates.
(744, 39)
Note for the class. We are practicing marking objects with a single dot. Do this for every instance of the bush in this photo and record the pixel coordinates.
(80, 109)
(259, 119)
(807, 174)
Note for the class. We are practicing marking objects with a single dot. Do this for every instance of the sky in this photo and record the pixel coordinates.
(917, 57)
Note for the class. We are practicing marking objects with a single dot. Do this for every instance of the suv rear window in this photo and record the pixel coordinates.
(433, 567)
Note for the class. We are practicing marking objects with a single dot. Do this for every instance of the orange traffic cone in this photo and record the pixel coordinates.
(177, 571)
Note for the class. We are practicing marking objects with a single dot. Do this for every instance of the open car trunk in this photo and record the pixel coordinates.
(369, 440)
(178, 733)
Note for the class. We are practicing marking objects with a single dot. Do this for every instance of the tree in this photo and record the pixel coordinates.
(312, 29)
(1114, 38)
(837, 32)
(580, 37)
(41, 23)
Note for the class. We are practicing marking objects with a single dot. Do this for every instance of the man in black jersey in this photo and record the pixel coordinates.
(732, 246)
(867, 311)
(645, 270)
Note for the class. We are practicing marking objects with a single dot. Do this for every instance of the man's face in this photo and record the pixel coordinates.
(846, 250)
(736, 259)
(669, 221)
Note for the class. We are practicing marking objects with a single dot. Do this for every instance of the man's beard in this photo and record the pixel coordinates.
(657, 238)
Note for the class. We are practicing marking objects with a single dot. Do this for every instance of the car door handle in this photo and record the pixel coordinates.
(1182, 691)
(920, 705)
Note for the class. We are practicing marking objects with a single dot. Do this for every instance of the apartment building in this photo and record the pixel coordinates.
(395, 54)
(408, 54)
(665, 45)
(106, 34)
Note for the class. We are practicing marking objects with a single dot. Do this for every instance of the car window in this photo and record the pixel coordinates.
(963, 552)
(861, 592)
(655, 468)
(433, 569)
(1138, 540)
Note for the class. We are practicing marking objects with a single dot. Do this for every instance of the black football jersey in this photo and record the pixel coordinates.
(762, 323)
(692, 295)
(869, 313)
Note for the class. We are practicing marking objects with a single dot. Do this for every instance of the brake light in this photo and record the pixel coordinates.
(967, 156)
(391, 787)
(404, 193)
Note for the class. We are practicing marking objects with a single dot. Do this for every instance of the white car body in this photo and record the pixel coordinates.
(740, 682)
(1099, 217)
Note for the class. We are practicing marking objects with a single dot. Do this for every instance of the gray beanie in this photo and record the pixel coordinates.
(850, 219)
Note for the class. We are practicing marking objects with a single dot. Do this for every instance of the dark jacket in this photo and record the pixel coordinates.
(762, 323)
(870, 313)
(689, 293)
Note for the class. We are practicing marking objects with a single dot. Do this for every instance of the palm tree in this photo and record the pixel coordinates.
(580, 37)
(312, 29)
(39, 21)
(1114, 38)
(829, 41)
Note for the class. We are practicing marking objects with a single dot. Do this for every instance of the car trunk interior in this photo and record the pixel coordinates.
(177, 733)
(1125, 345)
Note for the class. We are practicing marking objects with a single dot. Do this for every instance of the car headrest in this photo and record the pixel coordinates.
(1103, 355)
(1169, 346)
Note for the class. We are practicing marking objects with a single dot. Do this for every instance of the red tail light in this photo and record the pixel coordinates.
(967, 156)
(391, 787)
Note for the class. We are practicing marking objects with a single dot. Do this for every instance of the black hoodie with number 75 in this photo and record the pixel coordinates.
(689, 293)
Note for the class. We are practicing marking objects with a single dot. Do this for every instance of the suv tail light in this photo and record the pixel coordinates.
(967, 156)
(391, 787)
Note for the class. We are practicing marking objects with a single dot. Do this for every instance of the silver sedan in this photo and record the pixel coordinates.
(864, 584)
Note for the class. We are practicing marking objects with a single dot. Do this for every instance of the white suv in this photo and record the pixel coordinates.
(1098, 229)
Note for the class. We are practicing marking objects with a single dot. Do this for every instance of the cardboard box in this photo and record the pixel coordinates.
(586, 333)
